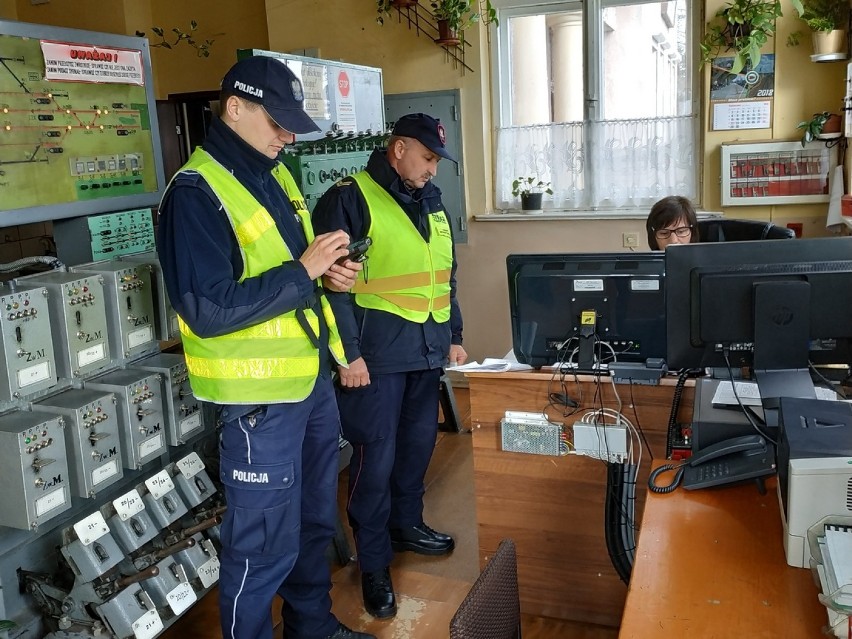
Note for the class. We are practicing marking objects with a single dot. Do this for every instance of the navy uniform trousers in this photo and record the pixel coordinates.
(392, 425)
(279, 465)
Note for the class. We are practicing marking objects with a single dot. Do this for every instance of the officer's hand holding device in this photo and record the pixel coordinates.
(357, 251)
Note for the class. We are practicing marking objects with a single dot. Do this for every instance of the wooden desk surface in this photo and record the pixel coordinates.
(710, 563)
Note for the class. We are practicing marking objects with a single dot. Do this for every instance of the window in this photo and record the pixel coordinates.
(597, 97)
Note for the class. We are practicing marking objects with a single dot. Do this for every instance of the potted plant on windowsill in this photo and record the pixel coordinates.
(742, 27)
(822, 126)
(531, 191)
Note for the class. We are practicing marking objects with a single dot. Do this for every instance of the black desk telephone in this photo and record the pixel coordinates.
(731, 460)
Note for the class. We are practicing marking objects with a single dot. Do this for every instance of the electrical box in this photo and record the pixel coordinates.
(184, 418)
(91, 436)
(140, 413)
(130, 307)
(30, 363)
(34, 484)
(166, 318)
(78, 310)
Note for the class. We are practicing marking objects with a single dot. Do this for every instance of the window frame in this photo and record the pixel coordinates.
(593, 87)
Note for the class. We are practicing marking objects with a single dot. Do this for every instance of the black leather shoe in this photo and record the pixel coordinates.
(422, 540)
(377, 589)
(343, 632)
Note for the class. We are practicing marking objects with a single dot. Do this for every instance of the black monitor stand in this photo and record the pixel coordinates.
(781, 340)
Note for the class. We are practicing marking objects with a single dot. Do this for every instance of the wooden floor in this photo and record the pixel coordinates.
(428, 589)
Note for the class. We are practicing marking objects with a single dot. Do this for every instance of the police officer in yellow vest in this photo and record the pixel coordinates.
(242, 269)
(401, 326)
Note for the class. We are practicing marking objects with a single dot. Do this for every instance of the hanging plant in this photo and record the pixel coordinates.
(383, 7)
(742, 27)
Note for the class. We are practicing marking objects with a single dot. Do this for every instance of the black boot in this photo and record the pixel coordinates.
(377, 589)
(422, 540)
(343, 632)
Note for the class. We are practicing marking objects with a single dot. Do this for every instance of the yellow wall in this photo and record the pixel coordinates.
(232, 26)
(802, 88)
(347, 30)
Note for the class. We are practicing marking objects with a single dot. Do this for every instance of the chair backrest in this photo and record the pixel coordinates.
(737, 230)
(492, 608)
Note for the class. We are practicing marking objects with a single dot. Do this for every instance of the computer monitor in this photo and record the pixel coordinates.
(548, 294)
(770, 306)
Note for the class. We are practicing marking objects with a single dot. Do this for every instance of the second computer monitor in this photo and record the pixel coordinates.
(549, 293)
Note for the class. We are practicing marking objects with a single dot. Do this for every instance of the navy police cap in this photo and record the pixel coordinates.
(426, 130)
(269, 82)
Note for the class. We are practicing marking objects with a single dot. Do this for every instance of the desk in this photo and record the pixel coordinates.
(710, 563)
(553, 507)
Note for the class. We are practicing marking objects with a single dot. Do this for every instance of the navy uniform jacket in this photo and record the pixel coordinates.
(201, 259)
(387, 342)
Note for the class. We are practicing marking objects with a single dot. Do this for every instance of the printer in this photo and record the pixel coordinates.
(814, 468)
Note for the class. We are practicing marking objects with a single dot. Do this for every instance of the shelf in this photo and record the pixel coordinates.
(829, 57)
(421, 20)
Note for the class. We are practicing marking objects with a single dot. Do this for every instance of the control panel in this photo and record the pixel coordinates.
(78, 317)
(34, 484)
(166, 319)
(139, 404)
(184, 417)
(130, 307)
(91, 438)
(317, 173)
(28, 356)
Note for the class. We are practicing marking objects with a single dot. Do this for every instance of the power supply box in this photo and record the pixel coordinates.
(530, 435)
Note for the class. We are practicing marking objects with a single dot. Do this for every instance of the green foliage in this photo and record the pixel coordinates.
(202, 48)
(6, 624)
(813, 128)
(825, 15)
(459, 14)
(383, 8)
(742, 27)
(527, 185)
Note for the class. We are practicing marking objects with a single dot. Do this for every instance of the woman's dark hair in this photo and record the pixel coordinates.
(670, 209)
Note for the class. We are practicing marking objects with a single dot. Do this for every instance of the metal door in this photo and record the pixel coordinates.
(444, 106)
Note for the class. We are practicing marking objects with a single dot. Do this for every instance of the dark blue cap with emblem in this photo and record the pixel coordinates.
(426, 130)
(269, 82)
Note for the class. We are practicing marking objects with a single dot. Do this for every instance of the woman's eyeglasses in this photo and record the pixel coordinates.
(681, 231)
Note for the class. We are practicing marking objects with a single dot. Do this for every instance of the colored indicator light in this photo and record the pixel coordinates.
(26, 302)
(27, 440)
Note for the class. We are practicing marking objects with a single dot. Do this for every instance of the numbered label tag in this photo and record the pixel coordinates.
(160, 484)
(181, 598)
(209, 572)
(148, 625)
(128, 505)
(190, 465)
(91, 528)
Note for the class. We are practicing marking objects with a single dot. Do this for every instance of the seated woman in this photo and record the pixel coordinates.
(672, 220)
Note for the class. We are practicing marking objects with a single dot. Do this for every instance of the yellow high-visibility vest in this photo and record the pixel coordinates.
(274, 361)
(408, 276)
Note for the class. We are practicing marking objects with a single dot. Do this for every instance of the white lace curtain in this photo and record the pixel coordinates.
(600, 165)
